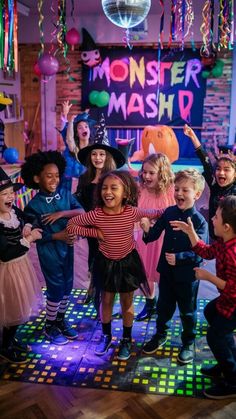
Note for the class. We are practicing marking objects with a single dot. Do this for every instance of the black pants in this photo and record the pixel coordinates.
(220, 339)
(183, 294)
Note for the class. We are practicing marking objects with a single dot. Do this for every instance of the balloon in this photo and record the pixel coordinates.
(72, 37)
(217, 71)
(93, 97)
(126, 14)
(37, 70)
(11, 155)
(48, 64)
(103, 99)
(205, 74)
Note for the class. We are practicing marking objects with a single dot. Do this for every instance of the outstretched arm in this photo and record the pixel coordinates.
(188, 131)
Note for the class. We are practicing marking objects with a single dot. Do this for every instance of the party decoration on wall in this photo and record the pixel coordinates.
(11, 155)
(37, 69)
(99, 99)
(215, 71)
(207, 29)
(72, 37)
(90, 54)
(8, 36)
(126, 14)
(131, 78)
(48, 64)
(157, 139)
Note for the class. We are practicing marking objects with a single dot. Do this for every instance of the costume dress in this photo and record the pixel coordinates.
(56, 257)
(221, 312)
(118, 266)
(150, 253)
(216, 192)
(178, 284)
(20, 292)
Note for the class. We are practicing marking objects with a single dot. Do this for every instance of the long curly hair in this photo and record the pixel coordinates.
(161, 164)
(130, 187)
(35, 164)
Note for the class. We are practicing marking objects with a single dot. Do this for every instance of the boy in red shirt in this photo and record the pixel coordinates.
(221, 312)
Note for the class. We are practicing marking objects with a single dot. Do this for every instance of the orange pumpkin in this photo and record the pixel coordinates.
(157, 139)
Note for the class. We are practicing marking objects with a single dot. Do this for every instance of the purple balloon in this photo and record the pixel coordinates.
(48, 64)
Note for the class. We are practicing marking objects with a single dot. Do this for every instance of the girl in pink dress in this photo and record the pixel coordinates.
(156, 191)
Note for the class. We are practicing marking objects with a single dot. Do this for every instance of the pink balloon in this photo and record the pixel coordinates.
(72, 37)
(48, 65)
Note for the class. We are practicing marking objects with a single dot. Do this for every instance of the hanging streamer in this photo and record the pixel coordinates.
(1, 36)
(6, 28)
(127, 38)
(40, 24)
(172, 23)
(205, 29)
(162, 24)
(15, 38)
(189, 19)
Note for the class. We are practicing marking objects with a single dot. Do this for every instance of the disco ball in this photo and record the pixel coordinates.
(126, 13)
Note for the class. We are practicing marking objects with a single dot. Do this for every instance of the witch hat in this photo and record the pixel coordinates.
(88, 43)
(101, 142)
(6, 182)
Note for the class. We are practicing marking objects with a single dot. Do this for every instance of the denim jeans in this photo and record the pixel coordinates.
(220, 338)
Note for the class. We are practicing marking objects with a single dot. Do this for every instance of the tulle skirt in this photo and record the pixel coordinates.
(20, 291)
(124, 275)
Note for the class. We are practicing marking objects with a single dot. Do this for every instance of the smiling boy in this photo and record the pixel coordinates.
(178, 285)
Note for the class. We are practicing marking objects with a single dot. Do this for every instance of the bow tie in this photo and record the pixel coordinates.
(50, 198)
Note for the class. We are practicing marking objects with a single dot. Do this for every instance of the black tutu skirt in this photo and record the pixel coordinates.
(124, 275)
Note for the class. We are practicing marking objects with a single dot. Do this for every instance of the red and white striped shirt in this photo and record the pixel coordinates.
(117, 229)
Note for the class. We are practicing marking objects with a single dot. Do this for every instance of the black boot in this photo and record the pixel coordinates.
(148, 310)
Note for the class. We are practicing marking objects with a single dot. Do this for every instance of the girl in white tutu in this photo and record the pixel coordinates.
(20, 292)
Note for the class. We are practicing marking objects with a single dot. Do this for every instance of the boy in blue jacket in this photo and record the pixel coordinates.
(178, 284)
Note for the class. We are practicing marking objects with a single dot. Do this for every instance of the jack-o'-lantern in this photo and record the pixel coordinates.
(157, 139)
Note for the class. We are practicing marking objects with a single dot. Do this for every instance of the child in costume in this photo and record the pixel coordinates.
(221, 312)
(177, 280)
(156, 191)
(221, 179)
(99, 158)
(20, 292)
(76, 135)
(117, 265)
(51, 206)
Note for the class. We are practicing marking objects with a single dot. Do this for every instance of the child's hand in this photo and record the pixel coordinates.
(26, 230)
(171, 258)
(182, 226)
(35, 234)
(52, 217)
(66, 107)
(191, 134)
(100, 234)
(145, 224)
(202, 274)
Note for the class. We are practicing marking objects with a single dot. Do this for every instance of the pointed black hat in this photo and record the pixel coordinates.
(88, 43)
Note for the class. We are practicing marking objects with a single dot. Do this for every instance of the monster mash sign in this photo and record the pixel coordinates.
(144, 91)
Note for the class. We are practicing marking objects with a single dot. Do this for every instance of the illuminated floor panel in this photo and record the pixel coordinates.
(75, 364)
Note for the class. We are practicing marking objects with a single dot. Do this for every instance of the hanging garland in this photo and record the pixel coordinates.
(8, 36)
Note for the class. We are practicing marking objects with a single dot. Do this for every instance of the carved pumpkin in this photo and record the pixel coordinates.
(157, 139)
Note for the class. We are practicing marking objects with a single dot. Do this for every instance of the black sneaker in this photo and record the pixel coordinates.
(155, 343)
(104, 345)
(67, 330)
(124, 349)
(212, 371)
(13, 356)
(220, 392)
(186, 354)
(20, 346)
(54, 335)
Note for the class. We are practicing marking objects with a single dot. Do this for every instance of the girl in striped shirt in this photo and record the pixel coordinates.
(117, 267)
